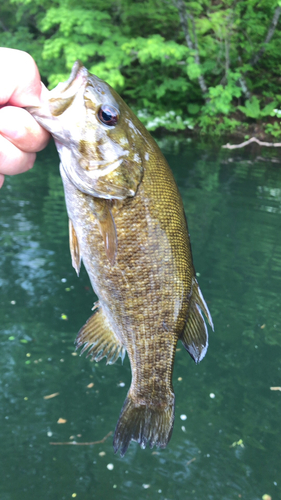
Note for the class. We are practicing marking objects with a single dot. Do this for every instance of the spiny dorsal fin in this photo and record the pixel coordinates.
(99, 339)
(74, 248)
(195, 334)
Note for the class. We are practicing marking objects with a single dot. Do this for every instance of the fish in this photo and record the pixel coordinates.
(128, 226)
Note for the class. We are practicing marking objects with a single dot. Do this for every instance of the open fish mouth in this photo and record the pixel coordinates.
(77, 79)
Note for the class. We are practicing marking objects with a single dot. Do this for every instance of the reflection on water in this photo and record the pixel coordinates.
(226, 440)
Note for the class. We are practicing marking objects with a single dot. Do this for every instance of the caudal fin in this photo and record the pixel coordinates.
(143, 424)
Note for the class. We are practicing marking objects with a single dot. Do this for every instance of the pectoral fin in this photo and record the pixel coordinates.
(74, 248)
(101, 209)
(98, 337)
(195, 334)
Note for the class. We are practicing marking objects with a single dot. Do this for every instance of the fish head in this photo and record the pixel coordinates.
(101, 143)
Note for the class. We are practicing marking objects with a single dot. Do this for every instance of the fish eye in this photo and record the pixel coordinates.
(108, 115)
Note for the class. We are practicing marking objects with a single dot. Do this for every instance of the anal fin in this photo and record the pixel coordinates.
(97, 337)
(74, 248)
(195, 334)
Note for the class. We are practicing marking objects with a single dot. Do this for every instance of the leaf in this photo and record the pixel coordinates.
(193, 70)
(193, 109)
(61, 421)
(251, 108)
(268, 108)
(50, 396)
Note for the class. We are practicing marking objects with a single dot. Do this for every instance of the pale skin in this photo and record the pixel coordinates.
(20, 135)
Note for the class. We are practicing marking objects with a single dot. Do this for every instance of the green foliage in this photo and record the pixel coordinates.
(140, 48)
(170, 120)
(273, 129)
(252, 108)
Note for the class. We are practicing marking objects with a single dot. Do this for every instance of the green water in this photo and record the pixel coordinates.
(233, 206)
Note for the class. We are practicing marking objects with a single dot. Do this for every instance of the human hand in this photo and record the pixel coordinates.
(20, 135)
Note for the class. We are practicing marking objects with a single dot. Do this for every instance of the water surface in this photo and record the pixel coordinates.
(226, 441)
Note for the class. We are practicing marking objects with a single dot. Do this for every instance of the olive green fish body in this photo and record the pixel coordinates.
(128, 227)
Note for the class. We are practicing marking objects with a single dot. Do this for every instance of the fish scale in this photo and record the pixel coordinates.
(127, 225)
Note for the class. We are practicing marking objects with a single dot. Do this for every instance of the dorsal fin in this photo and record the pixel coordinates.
(195, 334)
(98, 337)
(74, 248)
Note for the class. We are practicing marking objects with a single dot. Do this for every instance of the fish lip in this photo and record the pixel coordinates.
(78, 70)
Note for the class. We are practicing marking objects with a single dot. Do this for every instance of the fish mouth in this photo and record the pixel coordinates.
(77, 79)
(78, 73)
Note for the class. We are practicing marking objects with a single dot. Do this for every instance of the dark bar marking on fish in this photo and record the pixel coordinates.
(74, 248)
(98, 337)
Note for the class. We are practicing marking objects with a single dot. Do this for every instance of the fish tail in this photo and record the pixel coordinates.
(144, 424)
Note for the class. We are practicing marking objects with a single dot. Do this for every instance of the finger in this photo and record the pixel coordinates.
(20, 128)
(21, 84)
(1, 180)
(13, 160)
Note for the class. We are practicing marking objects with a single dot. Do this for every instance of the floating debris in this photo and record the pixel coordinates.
(212, 395)
(61, 421)
(64, 317)
(90, 385)
(146, 486)
(183, 417)
(275, 388)
(110, 466)
(263, 326)
(102, 453)
(266, 497)
(179, 379)
(237, 443)
(50, 396)
(84, 444)
(190, 461)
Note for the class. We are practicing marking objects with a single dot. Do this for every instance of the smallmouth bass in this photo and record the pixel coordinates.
(127, 225)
